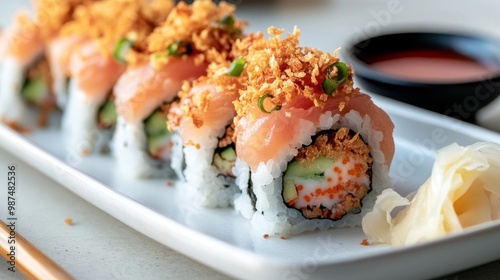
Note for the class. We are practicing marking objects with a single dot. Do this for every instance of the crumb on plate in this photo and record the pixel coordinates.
(16, 126)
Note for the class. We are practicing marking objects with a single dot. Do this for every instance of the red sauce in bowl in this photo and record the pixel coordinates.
(431, 66)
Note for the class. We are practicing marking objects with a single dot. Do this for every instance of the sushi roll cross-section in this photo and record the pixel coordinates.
(329, 177)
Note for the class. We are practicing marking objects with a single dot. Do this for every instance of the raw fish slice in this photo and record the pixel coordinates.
(262, 137)
(20, 46)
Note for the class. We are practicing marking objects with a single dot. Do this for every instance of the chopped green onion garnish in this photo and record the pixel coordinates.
(121, 49)
(35, 90)
(330, 84)
(228, 20)
(156, 124)
(227, 23)
(237, 67)
(179, 48)
(106, 117)
(260, 103)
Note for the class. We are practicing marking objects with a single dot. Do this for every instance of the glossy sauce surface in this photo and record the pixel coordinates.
(433, 66)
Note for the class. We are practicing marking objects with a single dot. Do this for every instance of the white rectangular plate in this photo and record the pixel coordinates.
(225, 241)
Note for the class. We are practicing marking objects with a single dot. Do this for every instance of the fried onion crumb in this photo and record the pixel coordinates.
(286, 71)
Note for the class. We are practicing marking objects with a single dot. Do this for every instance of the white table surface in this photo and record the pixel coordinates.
(97, 246)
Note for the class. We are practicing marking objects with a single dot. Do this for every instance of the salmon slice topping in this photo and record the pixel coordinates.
(142, 89)
(274, 136)
(95, 73)
(22, 40)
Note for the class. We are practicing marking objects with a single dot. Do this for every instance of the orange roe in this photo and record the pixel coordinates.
(345, 160)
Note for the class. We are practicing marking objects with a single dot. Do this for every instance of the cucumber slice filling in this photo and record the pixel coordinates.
(155, 127)
(106, 117)
(35, 90)
(224, 159)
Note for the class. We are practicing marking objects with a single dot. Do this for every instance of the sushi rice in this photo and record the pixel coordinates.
(12, 75)
(206, 186)
(130, 141)
(178, 161)
(79, 122)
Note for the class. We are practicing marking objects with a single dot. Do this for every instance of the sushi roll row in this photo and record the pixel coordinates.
(113, 67)
(274, 129)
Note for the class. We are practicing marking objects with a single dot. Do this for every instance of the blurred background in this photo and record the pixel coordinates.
(329, 24)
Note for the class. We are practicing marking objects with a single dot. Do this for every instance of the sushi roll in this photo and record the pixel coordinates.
(29, 77)
(204, 119)
(318, 150)
(51, 17)
(192, 37)
(103, 32)
(24, 77)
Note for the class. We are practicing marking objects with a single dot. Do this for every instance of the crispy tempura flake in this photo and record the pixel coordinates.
(194, 102)
(51, 15)
(108, 21)
(286, 71)
(199, 24)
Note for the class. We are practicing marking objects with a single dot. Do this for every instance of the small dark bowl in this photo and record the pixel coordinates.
(460, 99)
